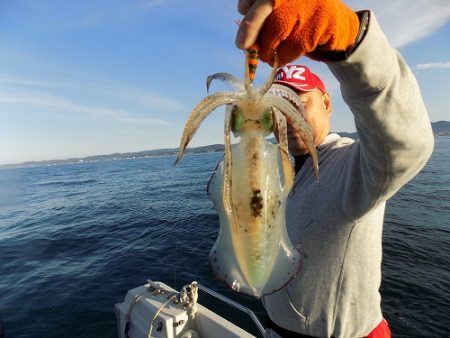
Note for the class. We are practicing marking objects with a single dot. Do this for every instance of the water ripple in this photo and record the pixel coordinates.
(75, 238)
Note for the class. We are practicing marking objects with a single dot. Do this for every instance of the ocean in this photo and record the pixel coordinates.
(75, 237)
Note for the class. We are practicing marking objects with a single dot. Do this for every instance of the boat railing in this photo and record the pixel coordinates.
(234, 304)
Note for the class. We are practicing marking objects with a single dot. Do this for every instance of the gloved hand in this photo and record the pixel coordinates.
(293, 28)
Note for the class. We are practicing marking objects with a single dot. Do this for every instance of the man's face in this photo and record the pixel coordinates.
(317, 113)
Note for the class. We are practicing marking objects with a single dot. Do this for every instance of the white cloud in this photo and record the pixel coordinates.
(19, 81)
(405, 21)
(95, 13)
(144, 98)
(435, 65)
(54, 102)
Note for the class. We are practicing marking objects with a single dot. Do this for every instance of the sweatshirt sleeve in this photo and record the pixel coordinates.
(395, 136)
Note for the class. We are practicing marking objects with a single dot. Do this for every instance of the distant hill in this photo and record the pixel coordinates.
(119, 156)
(440, 128)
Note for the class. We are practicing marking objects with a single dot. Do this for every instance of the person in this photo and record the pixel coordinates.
(337, 223)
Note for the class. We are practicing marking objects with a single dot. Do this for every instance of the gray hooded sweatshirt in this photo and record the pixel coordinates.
(337, 223)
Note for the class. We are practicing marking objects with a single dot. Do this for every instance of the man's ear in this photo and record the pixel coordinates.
(326, 100)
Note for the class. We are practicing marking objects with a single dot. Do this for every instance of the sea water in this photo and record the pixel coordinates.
(74, 238)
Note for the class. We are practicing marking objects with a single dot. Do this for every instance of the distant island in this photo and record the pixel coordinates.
(440, 128)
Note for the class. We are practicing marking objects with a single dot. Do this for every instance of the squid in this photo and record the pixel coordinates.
(253, 253)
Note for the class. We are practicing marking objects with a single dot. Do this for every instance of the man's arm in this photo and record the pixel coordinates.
(395, 133)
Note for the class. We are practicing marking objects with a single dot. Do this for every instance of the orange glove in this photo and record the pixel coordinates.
(307, 27)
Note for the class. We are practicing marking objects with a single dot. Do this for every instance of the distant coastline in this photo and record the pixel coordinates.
(440, 128)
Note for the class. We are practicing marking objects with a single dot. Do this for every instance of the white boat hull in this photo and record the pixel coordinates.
(173, 320)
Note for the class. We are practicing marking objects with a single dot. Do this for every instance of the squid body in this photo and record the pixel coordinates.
(253, 253)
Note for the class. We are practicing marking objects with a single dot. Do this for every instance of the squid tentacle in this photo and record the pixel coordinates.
(288, 169)
(227, 196)
(200, 112)
(266, 86)
(230, 79)
(247, 76)
(289, 94)
(299, 123)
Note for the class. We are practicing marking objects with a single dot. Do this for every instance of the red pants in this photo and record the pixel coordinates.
(381, 331)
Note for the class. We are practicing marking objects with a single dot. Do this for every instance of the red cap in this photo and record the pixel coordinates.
(298, 77)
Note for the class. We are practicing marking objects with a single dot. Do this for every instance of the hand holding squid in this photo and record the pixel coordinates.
(292, 28)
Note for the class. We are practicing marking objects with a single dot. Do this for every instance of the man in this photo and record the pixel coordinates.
(337, 223)
(317, 106)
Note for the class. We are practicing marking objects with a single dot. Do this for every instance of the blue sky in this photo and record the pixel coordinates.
(94, 77)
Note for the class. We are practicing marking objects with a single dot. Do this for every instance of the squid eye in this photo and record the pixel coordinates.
(267, 119)
(237, 119)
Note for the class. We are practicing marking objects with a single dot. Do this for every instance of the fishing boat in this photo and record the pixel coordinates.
(156, 310)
